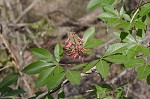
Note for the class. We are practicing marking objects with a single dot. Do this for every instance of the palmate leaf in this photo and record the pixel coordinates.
(37, 67)
(73, 76)
(143, 71)
(116, 48)
(103, 68)
(58, 51)
(43, 54)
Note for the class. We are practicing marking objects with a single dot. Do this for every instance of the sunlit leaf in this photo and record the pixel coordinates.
(88, 35)
(42, 54)
(143, 71)
(103, 68)
(90, 65)
(73, 76)
(58, 51)
(37, 67)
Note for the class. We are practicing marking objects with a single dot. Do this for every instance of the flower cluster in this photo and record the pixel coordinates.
(74, 46)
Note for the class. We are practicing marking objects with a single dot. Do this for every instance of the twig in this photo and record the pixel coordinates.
(116, 77)
(5, 67)
(127, 90)
(56, 89)
(26, 10)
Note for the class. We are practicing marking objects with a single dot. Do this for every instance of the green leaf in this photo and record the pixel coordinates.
(88, 35)
(54, 81)
(78, 66)
(94, 4)
(90, 65)
(101, 92)
(145, 9)
(139, 25)
(42, 79)
(124, 25)
(103, 68)
(143, 71)
(111, 10)
(115, 48)
(122, 11)
(73, 76)
(58, 51)
(93, 43)
(8, 80)
(134, 62)
(118, 59)
(148, 79)
(126, 17)
(43, 54)
(107, 86)
(106, 16)
(145, 50)
(140, 35)
(133, 51)
(55, 78)
(118, 93)
(98, 3)
(15, 92)
(61, 95)
(36, 67)
(125, 37)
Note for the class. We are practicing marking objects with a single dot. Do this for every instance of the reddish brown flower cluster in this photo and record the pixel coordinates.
(74, 46)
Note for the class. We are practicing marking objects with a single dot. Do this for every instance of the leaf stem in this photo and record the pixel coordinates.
(134, 15)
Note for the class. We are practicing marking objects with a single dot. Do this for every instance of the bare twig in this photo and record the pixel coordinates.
(5, 67)
(27, 10)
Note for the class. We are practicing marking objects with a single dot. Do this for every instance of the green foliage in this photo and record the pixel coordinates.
(5, 90)
(98, 3)
(88, 35)
(73, 76)
(42, 54)
(37, 67)
(143, 71)
(58, 51)
(103, 68)
(145, 9)
(131, 30)
(116, 48)
(8, 80)
(90, 65)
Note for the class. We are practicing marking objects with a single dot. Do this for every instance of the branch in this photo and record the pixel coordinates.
(27, 10)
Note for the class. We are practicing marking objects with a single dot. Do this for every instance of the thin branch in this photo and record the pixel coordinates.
(5, 67)
(27, 10)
